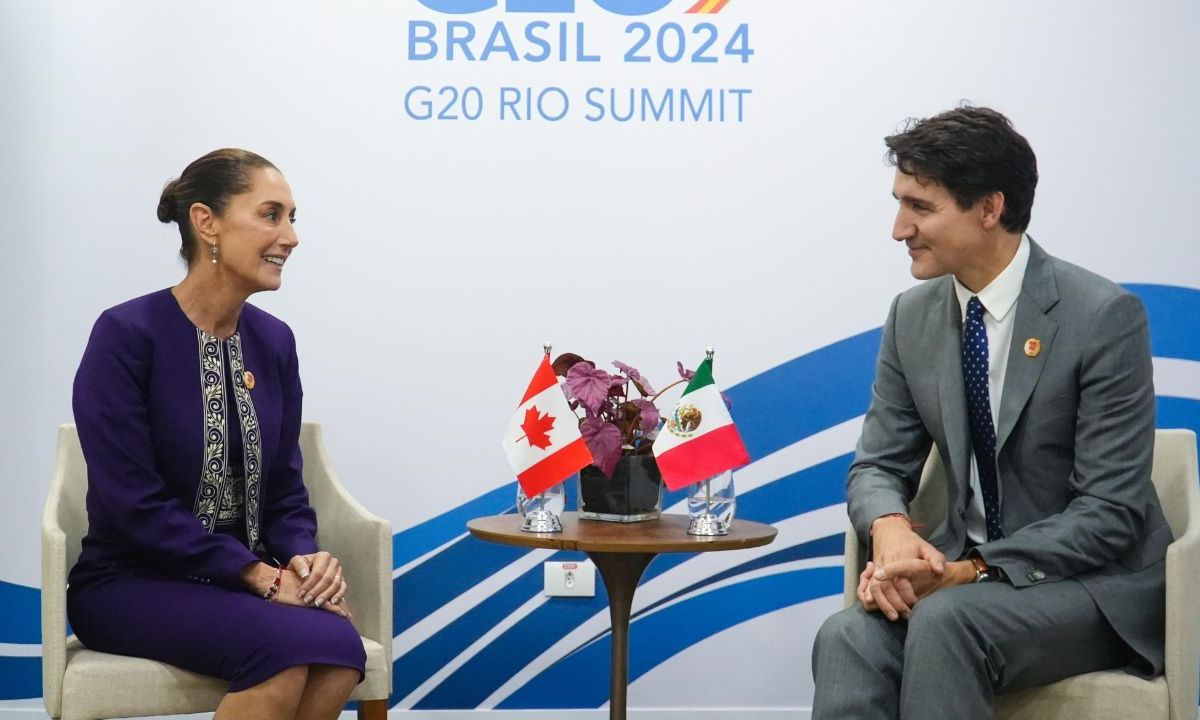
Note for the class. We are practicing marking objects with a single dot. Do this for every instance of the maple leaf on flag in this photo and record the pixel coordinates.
(536, 428)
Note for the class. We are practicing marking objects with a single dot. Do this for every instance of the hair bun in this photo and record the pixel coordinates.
(166, 203)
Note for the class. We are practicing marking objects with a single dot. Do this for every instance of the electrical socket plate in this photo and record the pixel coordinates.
(570, 579)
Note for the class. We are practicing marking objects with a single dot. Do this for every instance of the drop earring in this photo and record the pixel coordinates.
(214, 254)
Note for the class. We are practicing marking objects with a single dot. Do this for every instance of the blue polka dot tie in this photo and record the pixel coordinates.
(979, 412)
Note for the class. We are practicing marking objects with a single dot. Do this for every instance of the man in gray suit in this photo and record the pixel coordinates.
(1033, 378)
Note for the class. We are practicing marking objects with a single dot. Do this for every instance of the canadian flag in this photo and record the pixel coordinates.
(542, 441)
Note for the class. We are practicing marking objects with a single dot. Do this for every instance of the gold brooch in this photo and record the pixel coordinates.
(1033, 346)
(248, 378)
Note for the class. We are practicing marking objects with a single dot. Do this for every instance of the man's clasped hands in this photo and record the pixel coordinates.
(904, 569)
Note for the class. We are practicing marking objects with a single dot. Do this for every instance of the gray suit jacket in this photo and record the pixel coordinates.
(1074, 439)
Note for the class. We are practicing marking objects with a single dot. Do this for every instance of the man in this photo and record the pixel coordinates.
(1033, 379)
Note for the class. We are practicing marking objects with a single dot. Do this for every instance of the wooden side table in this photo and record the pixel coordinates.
(621, 551)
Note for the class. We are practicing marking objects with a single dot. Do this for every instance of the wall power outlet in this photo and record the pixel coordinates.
(570, 579)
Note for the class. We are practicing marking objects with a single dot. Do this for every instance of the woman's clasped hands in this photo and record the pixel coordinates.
(318, 583)
(314, 581)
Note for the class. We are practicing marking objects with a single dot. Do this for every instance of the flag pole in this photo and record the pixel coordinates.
(706, 523)
(546, 347)
(541, 520)
(708, 355)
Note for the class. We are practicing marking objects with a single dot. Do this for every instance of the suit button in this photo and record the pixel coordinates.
(1035, 575)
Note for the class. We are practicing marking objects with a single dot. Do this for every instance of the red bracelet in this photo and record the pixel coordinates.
(272, 591)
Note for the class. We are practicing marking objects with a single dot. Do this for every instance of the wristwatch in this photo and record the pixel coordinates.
(983, 571)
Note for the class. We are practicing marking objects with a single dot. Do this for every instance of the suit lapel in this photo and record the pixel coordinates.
(951, 392)
(1039, 293)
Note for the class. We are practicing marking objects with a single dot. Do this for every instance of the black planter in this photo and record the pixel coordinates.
(632, 494)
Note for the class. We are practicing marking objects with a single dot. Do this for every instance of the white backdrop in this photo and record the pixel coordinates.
(437, 255)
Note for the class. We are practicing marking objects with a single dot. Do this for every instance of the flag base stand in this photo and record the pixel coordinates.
(541, 521)
(539, 510)
(711, 504)
(707, 524)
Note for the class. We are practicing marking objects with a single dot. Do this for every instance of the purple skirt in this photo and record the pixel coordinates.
(229, 634)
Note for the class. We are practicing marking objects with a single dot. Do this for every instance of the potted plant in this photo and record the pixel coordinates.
(623, 484)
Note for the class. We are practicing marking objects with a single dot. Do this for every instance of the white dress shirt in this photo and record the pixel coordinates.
(999, 299)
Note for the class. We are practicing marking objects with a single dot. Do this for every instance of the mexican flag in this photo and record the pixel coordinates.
(699, 439)
(542, 442)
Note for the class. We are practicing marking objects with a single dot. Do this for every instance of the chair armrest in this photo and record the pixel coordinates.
(853, 568)
(54, 612)
(1183, 623)
(363, 544)
(361, 540)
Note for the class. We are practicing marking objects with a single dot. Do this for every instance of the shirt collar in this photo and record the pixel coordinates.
(1000, 295)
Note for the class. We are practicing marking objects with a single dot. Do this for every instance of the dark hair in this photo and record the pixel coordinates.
(211, 180)
(971, 151)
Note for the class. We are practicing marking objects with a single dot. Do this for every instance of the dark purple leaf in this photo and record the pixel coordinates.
(604, 441)
(643, 385)
(589, 385)
(628, 422)
(683, 373)
(649, 416)
(563, 363)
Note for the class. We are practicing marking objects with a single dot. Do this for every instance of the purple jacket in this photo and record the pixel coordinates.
(152, 403)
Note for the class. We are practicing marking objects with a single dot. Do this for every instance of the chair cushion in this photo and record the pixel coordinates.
(99, 685)
(1105, 695)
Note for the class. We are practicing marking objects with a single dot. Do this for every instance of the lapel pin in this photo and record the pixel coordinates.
(248, 377)
(1033, 346)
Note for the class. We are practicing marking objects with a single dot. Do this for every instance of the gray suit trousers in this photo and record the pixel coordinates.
(961, 645)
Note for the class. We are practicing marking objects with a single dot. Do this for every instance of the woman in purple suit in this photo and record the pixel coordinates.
(201, 546)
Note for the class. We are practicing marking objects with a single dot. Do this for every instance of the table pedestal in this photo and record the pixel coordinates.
(621, 552)
(621, 573)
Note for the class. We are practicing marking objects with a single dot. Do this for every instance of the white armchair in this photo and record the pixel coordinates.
(1110, 694)
(82, 684)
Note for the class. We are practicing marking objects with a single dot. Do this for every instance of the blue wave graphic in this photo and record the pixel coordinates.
(1173, 412)
(1174, 314)
(440, 579)
(828, 546)
(20, 677)
(774, 409)
(580, 680)
(410, 544)
(415, 666)
(806, 395)
(20, 616)
(810, 489)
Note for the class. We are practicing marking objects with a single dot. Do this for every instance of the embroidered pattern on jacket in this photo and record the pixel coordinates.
(252, 449)
(232, 507)
(212, 384)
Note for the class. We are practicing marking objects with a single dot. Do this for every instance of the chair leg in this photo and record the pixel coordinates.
(372, 709)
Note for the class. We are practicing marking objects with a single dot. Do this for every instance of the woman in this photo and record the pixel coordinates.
(200, 549)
